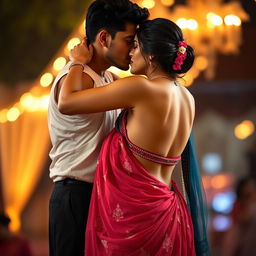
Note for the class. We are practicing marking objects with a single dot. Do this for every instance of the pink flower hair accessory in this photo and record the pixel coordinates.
(181, 55)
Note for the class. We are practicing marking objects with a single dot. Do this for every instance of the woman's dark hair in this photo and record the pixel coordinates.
(160, 38)
(112, 15)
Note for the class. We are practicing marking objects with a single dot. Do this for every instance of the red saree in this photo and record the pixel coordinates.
(131, 212)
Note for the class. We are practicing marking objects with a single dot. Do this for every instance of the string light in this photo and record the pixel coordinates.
(73, 42)
(192, 24)
(46, 79)
(59, 63)
(148, 4)
(13, 114)
(213, 19)
(188, 24)
(232, 20)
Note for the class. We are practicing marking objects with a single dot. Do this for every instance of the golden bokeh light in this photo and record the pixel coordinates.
(192, 24)
(148, 4)
(182, 23)
(59, 63)
(43, 102)
(244, 129)
(13, 114)
(32, 104)
(26, 100)
(214, 19)
(46, 79)
(73, 42)
(232, 20)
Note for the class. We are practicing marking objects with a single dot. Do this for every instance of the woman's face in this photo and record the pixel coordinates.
(138, 62)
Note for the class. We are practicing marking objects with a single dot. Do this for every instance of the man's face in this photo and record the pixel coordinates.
(120, 47)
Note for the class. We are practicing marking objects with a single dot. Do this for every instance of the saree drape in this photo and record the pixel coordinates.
(131, 212)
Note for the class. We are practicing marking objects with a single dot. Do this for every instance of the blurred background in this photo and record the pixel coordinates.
(35, 41)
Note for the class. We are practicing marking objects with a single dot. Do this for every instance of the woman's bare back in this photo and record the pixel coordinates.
(162, 125)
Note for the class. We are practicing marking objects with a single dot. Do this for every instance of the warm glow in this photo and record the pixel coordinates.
(46, 79)
(32, 104)
(44, 102)
(24, 146)
(34, 107)
(167, 2)
(13, 114)
(82, 28)
(201, 62)
(182, 23)
(189, 79)
(3, 115)
(15, 220)
(73, 42)
(59, 63)
(244, 129)
(232, 20)
(148, 4)
(26, 100)
(119, 72)
(192, 24)
(214, 19)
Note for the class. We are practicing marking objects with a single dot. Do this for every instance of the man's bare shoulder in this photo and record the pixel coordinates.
(87, 83)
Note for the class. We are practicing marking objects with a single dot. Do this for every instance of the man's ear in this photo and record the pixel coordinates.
(104, 38)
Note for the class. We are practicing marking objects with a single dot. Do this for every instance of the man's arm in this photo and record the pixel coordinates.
(86, 83)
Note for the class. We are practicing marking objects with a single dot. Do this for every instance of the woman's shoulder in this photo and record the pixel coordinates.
(186, 92)
(138, 83)
(137, 79)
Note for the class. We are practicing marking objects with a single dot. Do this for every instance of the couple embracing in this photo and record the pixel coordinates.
(116, 141)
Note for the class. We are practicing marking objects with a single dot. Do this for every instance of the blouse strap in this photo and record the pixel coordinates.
(140, 151)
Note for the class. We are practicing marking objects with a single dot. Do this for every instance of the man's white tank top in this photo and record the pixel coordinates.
(77, 139)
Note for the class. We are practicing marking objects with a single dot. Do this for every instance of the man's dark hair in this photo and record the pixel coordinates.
(112, 15)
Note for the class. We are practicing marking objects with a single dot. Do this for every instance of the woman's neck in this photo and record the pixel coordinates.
(154, 72)
(157, 75)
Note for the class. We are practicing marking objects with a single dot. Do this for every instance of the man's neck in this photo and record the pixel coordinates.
(98, 65)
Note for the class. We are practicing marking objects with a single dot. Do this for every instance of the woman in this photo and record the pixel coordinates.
(136, 208)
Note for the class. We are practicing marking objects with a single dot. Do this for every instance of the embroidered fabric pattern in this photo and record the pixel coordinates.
(143, 153)
(181, 55)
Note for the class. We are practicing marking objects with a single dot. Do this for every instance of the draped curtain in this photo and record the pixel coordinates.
(24, 146)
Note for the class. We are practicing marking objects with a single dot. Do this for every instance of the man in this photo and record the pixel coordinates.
(76, 140)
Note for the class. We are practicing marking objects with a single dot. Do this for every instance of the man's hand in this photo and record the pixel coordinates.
(81, 52)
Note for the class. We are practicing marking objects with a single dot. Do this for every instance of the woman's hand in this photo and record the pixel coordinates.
(81, 53)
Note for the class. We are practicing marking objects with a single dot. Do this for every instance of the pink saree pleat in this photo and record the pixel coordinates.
(131, 212)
